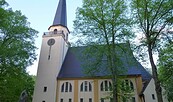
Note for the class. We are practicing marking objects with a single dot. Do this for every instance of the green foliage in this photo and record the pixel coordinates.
(12, 82)
(166, 69)
(101, 25)
(3, 3)
(17, 51)
(102, 21)
(154, 19)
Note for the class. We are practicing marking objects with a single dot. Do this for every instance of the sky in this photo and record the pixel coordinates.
(40, 14)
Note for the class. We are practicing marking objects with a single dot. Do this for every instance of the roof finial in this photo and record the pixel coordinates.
(61, 15)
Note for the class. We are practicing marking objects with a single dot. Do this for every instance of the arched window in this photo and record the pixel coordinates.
(85, 86)
(127, 85)
(55, 31)
(105, 86)
(66, 87)
(131, 85)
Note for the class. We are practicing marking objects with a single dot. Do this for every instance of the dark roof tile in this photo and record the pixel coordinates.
(61, 14)
(73, 65)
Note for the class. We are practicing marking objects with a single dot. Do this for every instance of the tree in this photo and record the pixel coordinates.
(101, 25)
(154, 19)
(166, 70)
(17, 51)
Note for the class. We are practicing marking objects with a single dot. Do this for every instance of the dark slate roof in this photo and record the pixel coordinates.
(73, 65)
(61, 14)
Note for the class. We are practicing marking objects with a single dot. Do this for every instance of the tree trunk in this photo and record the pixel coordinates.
(115, 93)
(155, 75)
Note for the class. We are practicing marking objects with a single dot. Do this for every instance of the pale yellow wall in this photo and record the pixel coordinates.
(137, 83)
(75, 91)
(96, 94)
(88, 94)
(66, 95)
(103, 94)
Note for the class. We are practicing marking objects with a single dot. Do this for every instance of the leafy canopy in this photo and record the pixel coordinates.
(17, 51)
(166, 69)
(101, 25)
(154, 18)
(102, 22)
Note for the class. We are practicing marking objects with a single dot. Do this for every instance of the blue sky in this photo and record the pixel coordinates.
(40, 14)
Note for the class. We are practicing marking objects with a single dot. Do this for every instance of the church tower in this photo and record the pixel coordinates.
(53, 50)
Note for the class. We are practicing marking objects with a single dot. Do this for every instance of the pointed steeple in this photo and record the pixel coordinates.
(61, 14)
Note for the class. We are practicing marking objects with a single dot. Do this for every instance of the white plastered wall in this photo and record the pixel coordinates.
(48, 69)
(150, 89)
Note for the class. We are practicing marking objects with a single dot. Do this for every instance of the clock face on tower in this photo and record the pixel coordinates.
(50, 42)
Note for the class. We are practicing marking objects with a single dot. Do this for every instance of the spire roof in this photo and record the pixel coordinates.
(61, 14)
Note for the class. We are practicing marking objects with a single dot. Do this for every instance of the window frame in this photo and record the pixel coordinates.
(66, 87)
(86, 86)
(106, 85)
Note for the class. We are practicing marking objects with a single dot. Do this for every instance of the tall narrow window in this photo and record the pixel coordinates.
(133, 99)
(127, 82)
(111, 99)
(45, 89)
(102, 99)
(70, 90)
(66, 87)
(66, 36)
(106, 85)
(153, 97)
(101, 86)
(81, 87)
(110, 86)
(90, 99)
(61, 100)
(81, 99)
(70, 100)
(90, 87)
(85, 85)
(131, 85)
(62, 88)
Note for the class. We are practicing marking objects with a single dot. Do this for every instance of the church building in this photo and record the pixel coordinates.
(60, 76)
